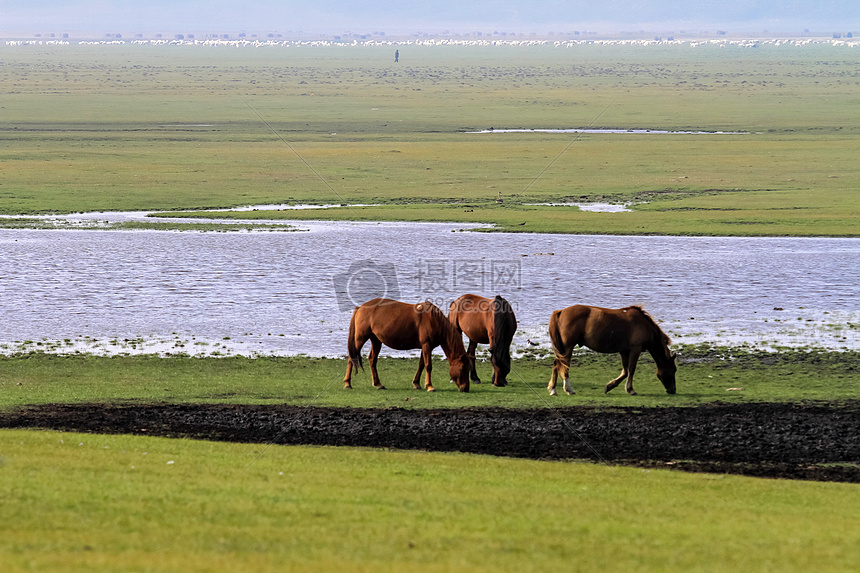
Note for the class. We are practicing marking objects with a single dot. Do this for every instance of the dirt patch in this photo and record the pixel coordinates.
(795, 441)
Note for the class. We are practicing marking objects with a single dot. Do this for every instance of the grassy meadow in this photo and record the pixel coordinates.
(705, 375)
(78, 502)
(192, 127)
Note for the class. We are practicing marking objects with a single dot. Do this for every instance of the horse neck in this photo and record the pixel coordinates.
(659, 348)
(452, 340)
(660, 352)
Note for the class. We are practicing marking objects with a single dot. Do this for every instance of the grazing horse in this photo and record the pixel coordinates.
(627, 331)
(405, 326)
(490, 322)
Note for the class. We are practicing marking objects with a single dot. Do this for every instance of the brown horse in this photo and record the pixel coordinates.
(403, 327)
(627, 331)
(490, 322)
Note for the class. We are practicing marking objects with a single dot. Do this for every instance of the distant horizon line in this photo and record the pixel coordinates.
(72, 34)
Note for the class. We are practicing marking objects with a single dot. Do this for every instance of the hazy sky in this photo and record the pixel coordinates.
(432, 16)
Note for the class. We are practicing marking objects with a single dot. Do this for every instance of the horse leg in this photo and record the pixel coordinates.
(565, 374)
(471, 352)
(631, 368)
(427, 357)
(375, 348)
(561, 365)
(416, 380)
(612, 384)
(347, 379)
(553, 378)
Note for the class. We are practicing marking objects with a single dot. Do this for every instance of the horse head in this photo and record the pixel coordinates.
(666, 373)
(459, 370)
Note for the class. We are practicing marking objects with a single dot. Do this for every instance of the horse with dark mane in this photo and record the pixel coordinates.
(627, 331)
(405, 326)
(486, 321)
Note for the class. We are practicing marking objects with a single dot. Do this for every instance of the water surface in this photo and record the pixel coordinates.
(276, 293)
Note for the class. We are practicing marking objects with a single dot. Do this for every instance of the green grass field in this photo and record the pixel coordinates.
(704, 376)
(162, 128)
(76, 502)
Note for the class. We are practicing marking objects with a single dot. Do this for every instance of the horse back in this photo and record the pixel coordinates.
(393, 322)
(401, 325)
(605, 329)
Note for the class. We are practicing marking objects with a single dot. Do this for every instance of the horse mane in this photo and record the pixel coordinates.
(664, 338)
(452, 335)
(500, 349)
(430, 308)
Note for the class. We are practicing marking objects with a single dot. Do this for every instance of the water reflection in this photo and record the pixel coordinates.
(273, 293)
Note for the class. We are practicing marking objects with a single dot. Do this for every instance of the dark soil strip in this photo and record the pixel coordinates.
(797, 441)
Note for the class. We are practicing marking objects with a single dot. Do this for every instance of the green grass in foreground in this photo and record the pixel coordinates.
(78, 502)
(704, 375)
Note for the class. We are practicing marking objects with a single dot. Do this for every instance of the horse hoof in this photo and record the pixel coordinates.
(381, 388)
(476, 381)
(570, 392)
(431, 389)
(632, 392)
(553, 392)
(347, 387)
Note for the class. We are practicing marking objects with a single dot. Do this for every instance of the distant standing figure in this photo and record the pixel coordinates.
(396, 55)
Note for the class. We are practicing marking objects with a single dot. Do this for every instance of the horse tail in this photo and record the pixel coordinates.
(555, 334)
(354, 354)
(504, 326)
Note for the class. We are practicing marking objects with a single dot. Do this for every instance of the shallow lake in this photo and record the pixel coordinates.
(291, 293)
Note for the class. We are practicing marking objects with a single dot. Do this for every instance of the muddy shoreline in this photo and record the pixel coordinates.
(816, 441)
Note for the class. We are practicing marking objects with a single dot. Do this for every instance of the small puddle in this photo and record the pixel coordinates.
(610, 131)
(593, 207)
